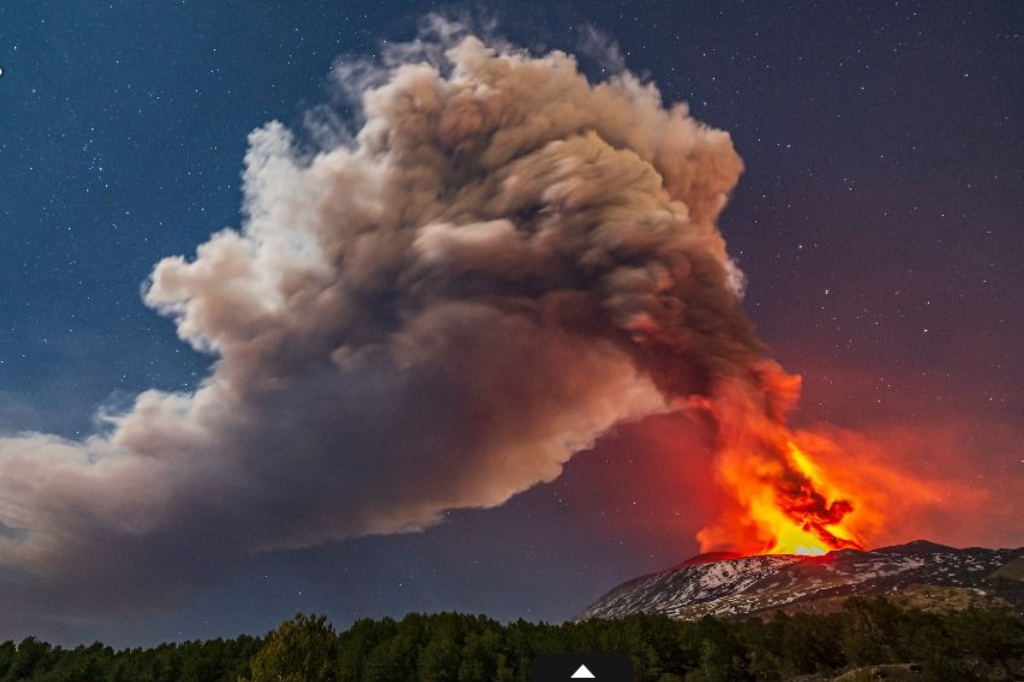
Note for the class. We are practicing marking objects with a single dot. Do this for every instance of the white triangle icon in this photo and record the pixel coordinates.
(583, 674)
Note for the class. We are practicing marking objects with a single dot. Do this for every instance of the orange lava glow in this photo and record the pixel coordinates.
(810, 517)
(784, 500)
(789, 506)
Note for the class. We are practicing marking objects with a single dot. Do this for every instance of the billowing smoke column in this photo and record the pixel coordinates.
(505, 262)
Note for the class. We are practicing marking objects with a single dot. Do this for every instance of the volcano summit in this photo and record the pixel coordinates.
(918, 574)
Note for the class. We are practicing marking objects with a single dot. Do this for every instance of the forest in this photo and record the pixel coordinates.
(972, 645)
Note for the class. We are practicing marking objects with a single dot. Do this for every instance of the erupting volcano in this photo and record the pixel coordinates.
(798, 508)
(785, 501)
(814, 511)
(436, 312)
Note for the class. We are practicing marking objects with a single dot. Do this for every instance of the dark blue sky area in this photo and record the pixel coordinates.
(879, 224)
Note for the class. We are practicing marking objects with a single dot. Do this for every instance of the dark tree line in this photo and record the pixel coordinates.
(449, 647)
(216, 659)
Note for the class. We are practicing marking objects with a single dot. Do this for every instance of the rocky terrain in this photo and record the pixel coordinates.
(919, 574)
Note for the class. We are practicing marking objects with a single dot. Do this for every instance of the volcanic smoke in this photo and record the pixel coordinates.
(437, 312)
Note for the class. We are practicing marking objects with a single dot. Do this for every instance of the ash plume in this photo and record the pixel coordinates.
(504, 262)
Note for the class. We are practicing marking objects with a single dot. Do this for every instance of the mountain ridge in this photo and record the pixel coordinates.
(920, 574)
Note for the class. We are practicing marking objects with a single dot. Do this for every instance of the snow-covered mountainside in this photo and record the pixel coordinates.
(921, 574)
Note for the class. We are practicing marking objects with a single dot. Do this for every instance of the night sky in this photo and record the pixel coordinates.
(878, 223)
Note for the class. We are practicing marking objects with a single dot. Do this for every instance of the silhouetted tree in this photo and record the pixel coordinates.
(300, 650)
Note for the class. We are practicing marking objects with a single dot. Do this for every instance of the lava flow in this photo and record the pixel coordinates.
(791, 507)
(786, 502)
(807, 514)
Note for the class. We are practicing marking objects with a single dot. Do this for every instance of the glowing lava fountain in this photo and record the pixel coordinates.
(785, 502)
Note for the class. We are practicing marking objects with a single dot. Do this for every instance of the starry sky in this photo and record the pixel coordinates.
(878, 223)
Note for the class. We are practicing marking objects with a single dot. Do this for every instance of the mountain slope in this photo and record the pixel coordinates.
(921, 574)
